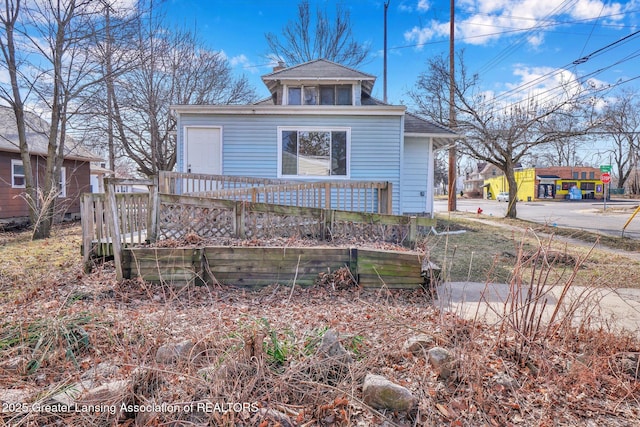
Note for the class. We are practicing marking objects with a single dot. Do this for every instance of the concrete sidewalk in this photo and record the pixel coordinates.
(612, 309)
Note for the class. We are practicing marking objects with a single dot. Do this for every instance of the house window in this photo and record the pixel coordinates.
(314, 152)
(575, 175)
(62, 185)
(295, 96)
(592, 175)
(17, 174)
(310, 95)
(320, 95)
(583, 175)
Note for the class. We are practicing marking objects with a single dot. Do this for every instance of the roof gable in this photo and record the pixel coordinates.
(318, 70)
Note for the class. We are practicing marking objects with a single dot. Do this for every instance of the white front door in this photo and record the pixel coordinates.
(203, 150)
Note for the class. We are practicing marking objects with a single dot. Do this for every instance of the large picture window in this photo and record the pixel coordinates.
(314, 153)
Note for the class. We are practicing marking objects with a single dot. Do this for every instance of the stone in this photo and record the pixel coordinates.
(172, 352)
(441, 360)
(331, 348)
(114, 392)
(101, 370)
(16, 364)
(380, 393)
(418, 345)
(15, 396)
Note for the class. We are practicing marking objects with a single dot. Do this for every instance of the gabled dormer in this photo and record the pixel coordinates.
(318, 83)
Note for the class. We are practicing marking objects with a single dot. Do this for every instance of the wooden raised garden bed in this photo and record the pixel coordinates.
(262, 266)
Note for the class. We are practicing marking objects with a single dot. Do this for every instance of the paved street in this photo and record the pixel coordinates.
(588, 215)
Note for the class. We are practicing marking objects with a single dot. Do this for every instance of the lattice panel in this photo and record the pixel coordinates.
(261, 225)
(177, 220)
(363, 231)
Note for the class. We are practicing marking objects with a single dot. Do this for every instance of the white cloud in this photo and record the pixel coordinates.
(243, 62)
(424, 5)
(480, 22)
(425, 34)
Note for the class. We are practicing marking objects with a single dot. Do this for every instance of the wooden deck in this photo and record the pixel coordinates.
(116, 224)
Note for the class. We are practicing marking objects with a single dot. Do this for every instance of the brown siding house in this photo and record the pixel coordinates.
(75, 178)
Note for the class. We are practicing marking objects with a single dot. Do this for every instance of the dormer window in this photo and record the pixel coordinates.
(320, 95)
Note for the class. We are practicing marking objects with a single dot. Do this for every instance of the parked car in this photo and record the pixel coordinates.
(503, 197)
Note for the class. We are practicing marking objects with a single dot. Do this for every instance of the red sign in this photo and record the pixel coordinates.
(605, 177)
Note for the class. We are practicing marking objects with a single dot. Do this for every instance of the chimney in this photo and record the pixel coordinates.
(281, 66)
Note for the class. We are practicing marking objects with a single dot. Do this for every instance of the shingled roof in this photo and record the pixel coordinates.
(319, 70)
(37, 137)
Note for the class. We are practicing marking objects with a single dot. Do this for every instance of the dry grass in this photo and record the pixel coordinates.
(259, 347)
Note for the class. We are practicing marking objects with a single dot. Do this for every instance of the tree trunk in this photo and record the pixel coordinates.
(513, 192)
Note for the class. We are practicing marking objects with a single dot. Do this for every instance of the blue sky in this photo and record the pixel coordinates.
(509, 43)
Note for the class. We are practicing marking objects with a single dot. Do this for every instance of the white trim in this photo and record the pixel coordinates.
(280, 129)
(287, 110)
(17, 162)
(63, 182)
(186, 145)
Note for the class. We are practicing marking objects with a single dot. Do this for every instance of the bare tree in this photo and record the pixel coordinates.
(156, 68)
(497, 133)
(331, 39)
(52, 72)
(620, 122)
(565, 150)
(12, 94)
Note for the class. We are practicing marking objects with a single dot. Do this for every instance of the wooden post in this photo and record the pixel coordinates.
(385, 199)
(153, 209)
(413, 230)
(327, 195)
(112, 221)
(86, 217)
(239, 219)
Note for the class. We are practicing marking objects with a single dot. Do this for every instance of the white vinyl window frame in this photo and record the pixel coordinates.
(310, 94)
(346, 130)
(62, 185)
(16, 175)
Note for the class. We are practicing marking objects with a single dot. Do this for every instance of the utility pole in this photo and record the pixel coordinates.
(386, 6)
(452, 114)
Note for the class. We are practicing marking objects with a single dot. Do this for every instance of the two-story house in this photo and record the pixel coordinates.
(320, 123)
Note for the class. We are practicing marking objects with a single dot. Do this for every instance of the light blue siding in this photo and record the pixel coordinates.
(416, 166)
(250, 144)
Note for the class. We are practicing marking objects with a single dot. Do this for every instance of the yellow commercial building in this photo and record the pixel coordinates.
(550, 183)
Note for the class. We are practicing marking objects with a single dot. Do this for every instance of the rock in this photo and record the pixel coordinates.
(418, 345)
(112, 393)
(331, 348)
(101, 370)
(631, 364)
(170, 353)
(442, 361)
(16, 364)
(505, 380)
(68, 396)
(15, 396)
(380, 393)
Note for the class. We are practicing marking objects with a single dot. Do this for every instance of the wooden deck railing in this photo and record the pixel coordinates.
(189, 183)
(357, 196)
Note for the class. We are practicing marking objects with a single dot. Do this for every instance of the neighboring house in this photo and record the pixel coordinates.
(320, 123)
(98, 173)
(75, 175)
(552, 183)
(474, 183)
